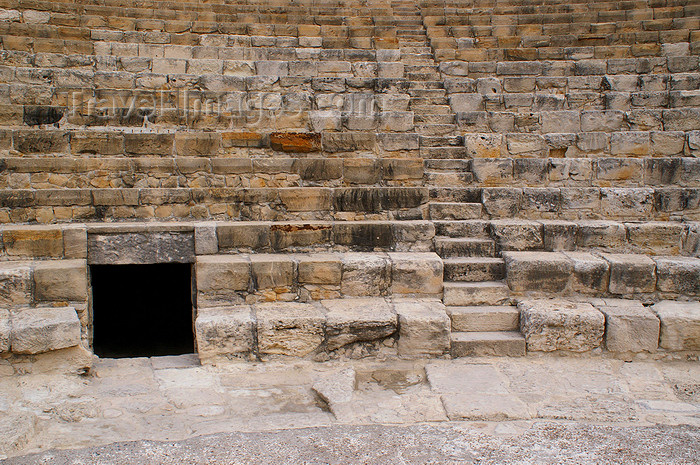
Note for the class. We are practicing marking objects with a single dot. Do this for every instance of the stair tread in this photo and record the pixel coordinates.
(468, 336)
(477, 284)
(485, 260)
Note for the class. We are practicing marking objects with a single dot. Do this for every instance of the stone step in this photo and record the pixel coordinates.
(483, 293)
(480, 344)
(455, 211)
(448, 178)
(432, 109)
(469, 228)
(447, 165)
(426, 85)
(441, 141)
(422, 76)
(436, 129)
(484, 318)
(448, 247)
(446, 153)
(434, 119)
(428, 100)
(474, 269)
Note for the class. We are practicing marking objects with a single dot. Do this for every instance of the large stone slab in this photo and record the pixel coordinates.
(518, 234)
(224, 331)
(141, 248)
(354, 320)
(680, 325)
(591, 273)
(271, 271)
(61, 280)
(289, 328)
(416, 273)
(679, 275)
(37, 330)
(631, 274)
(537, 271)
(559, 324)
(319, 269)
(220, 279)
(16, 284)
(424, 328)
(35, 241)
(365, 274)
(629, 326)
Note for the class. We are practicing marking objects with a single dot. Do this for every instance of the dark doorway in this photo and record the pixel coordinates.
(142, 310)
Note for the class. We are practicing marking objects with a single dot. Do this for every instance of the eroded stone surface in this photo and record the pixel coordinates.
(537, 271)
(680, 324)
(629, 326)
(224, 331)
(352, 320)
(288, 328)
(415, 273)
(424, 328)
(141, 248)
(38, 330)
(550, 325)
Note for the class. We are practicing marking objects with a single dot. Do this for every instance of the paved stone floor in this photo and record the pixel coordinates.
(538, 409)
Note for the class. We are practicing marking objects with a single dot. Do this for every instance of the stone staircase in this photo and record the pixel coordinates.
(474, 288)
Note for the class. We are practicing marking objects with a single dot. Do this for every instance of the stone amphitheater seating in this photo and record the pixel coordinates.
(386, 178)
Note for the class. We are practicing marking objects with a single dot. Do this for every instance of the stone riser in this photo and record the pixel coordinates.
(235, 279)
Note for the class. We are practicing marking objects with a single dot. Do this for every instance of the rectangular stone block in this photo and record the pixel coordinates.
(289, 328)
(357, 320)
(270, 271)
(319, 269)
(591, 273)
(147, 247)
(656, 238)
(550, 325)
(16, 284)
(220, 279)
(415, 273)
(631, 274)
(244, 236)
(559, 235)
(38, 330)
(537, 271)
(629, 326)
(365, 274)
(606, 235)
(33, 242)
(678, 275)
(517, 234)
(424, 328)
(61, 281)
(225, 332)
(680, 325)
(205, 240)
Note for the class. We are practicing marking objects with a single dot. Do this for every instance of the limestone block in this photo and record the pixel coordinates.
(248, 236)
(502, 201)
(319, 269)
(37, 330)
(464, 102)
(680, 324)
(205, 240)
(629, 326)
(4, 330)
(33, 242)
(386, 69)
(140, 248)
(559, 235)
(416, 273)
(289, 328)
(657, 238)
(591, 273)
(75, 241)
(517, 234)
(365, 274)
(483, 145)
(679, 275)
(270, 271)
(354, 320)
(424, 328)
(61, 280)
(537, 271)
(627, 202)
(219, 278)
(601, 234)
(631, 273)
(16, 283)
(224, 331)
(550, 325)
